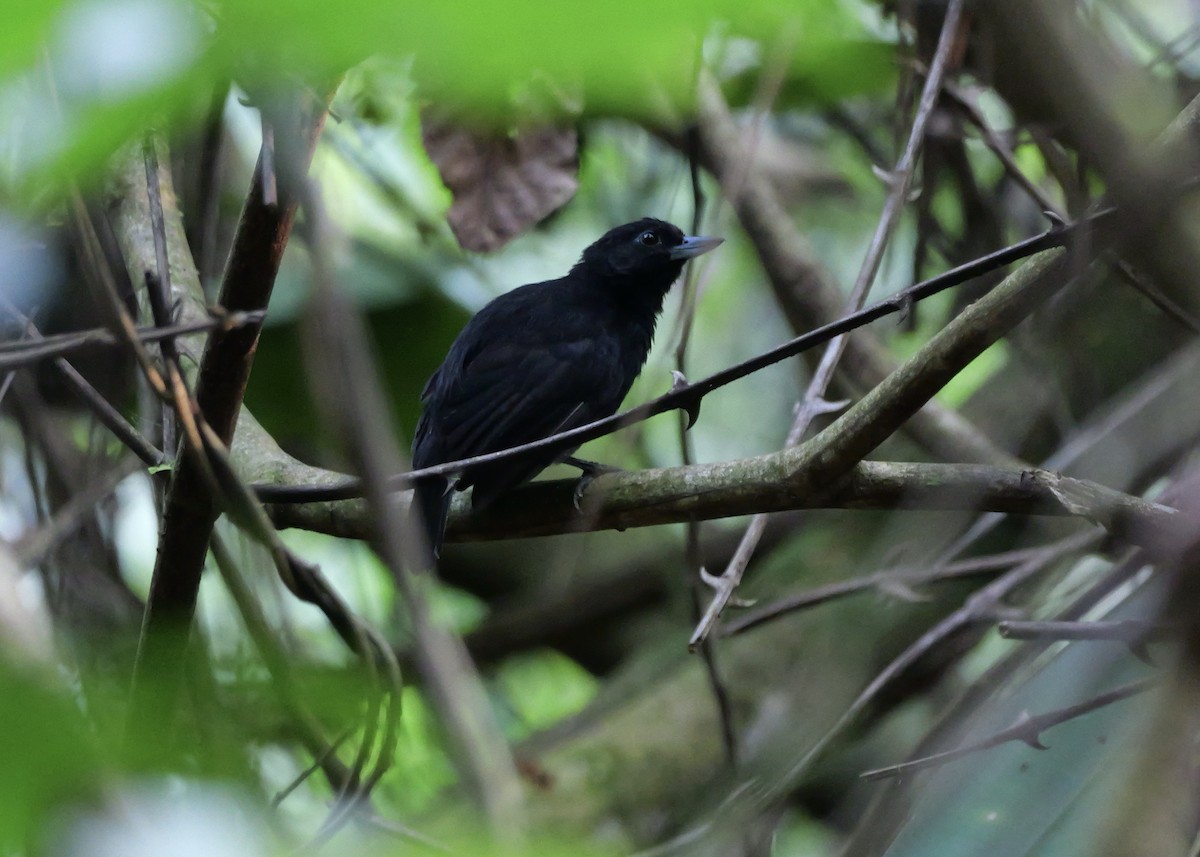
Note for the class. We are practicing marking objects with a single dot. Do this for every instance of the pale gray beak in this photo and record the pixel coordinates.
(694, 245)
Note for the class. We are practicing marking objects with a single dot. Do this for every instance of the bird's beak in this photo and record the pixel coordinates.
(694, 245)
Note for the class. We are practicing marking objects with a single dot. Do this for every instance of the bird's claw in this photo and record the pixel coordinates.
(589, 470)
(581, 487)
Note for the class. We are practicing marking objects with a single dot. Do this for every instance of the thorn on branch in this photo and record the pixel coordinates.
(901, 591)
(1027, 730)
(889, 178)
(679, 382)
(720, 584)
(1141, 651)
(1057, 222)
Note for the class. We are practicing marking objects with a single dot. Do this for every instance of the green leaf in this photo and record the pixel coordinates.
(47, 755)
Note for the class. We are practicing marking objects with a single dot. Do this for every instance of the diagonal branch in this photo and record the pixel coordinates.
(902, 581)
(878, 414)
(814, 403)
(802, 289)
(1026, 729)
(346, 384)
(220, 384)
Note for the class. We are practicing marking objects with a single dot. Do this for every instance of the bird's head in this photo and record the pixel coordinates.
(646, 254)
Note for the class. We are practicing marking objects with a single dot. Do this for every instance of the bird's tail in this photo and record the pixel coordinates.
(427, 520)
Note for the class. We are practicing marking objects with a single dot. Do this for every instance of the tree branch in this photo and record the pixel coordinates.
(803, 290)
(776, 482)
(16, 355)
(1027, 729)
(814, 402)
(220, 384)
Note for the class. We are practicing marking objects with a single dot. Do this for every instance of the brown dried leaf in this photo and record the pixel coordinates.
(502, 184)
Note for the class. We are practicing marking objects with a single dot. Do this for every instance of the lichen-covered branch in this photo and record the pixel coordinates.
(768, 483)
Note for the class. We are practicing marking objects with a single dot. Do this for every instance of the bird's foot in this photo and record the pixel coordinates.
(589, 470)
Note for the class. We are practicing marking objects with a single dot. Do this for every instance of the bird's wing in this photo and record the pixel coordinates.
(508, 394)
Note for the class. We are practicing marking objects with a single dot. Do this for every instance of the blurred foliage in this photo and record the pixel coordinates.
(118, 64)
(81, 78)
(48, 755)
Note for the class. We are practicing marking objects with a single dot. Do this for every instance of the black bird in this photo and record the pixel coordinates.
(542, 359)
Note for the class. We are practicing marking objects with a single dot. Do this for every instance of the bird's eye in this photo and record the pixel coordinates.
(648, 239)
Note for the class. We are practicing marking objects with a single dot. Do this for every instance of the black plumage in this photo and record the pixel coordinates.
(544, 358)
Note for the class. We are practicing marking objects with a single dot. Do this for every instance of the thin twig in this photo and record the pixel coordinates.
(980, 603)
(134, 440)
(1136, 634)
(100, 276)
(1000, 149)
(903, 579)
(348, 387)
(22, 354)
(30, 549)
(1168, 307)
(158, 292)
(692, 565)
(158, 295)
(1025, 729)
(1124, 631)
(814, 401)
(406, 834)
(203, 228)
(275, 659)
(319, 763)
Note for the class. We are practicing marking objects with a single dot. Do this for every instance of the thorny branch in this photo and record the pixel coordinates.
(1026, 729)
(803, 290)
(1134, 633)
(980, 603)
(901, 582)
(814, 402)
